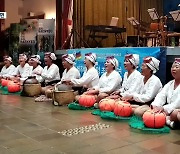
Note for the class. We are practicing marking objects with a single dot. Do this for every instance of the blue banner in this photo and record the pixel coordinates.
(119, 53)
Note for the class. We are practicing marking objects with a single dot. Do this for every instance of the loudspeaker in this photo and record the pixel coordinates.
(132, 41)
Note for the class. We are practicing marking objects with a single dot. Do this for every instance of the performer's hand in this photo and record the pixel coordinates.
(18, 75)
(91, 92)
(158, 108)
(128, 97)
(67, 82)
(90, 89)
(117, 92)
(116, 97)
(87, 93)
(8, 78)
(37, 73)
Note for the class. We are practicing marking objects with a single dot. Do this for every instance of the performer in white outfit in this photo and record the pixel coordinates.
(109, 82)
(131, 78)
(150, 84)
(168, 99)
(8, 69)
(90, 78)
(50, 72)
(23, 70)
(50, 75)
(70, 72)
(34, 61)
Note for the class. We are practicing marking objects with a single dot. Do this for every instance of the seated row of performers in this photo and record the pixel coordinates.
(140, 89)
(31, 67)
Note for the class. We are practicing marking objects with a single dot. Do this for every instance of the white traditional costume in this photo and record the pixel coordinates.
(149, 90)
(130, 84)
(52, 73)
(90, 78)
(24, 71)
(8, 71)
(38, 70)
(112, 82)
(73, 72)
(169, 97)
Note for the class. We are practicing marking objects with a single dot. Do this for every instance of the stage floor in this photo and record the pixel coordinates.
(30, 127)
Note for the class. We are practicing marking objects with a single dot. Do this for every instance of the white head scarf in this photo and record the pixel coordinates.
(133, 58)
(8, 58)
(177, 61)
(152, 63)
(23, 56)
(53, 56)
(91, 57)
(113, 61)
(70, 58)
(36, 58)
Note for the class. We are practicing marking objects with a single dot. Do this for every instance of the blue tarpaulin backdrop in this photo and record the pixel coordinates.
(119, 53)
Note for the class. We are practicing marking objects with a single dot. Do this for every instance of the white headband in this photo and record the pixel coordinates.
(177, 61)
(91, 57)
(36, 58)
(153, 64)
(134, 60)
(70, 59)
(23, 56)
(53, 56)
(113, 61)
(8, 58)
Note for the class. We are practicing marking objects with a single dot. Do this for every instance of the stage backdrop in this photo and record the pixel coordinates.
(119, 53)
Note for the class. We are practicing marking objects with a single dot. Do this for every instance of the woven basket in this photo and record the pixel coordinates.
(63, 97)
(32, 90)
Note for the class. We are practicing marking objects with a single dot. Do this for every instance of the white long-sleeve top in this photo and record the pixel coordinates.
(51, 73)
(37, 73)
(130, 84)
(25, 71)
(72, 73)
(90, 79)
(168, 97)
(8, 72)
(149, 90)
(110, 83)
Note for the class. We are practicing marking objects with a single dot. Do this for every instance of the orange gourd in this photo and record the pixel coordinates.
(4, 82)
(13, 87)
(87, 100)
(154, 119)
(107, 104)
(123, 109)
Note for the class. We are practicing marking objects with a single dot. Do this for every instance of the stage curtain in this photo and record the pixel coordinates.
(65, 32)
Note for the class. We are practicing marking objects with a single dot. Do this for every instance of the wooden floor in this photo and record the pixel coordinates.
(30, 127)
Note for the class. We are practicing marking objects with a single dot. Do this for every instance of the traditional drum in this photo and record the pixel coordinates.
(63, 97)
(63, 94)
(31, 87)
